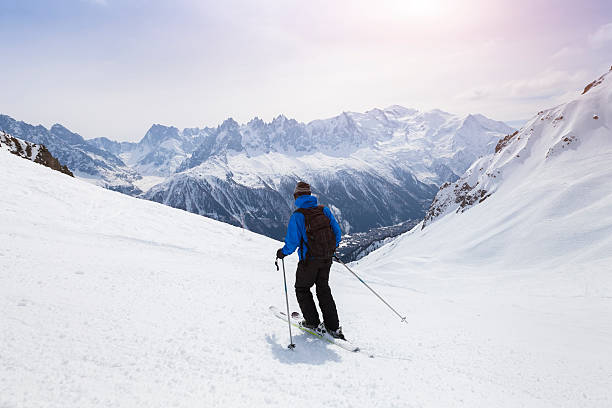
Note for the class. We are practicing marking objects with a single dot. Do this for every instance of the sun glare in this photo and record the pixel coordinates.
(417, 8)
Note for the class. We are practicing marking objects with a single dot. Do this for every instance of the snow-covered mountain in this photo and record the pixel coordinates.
(437, 144)
(540, 204)
(160, 152)
(86, 161)
(375, 169)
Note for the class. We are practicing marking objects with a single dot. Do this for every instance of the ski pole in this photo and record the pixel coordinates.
(367, 286)
(291, 346)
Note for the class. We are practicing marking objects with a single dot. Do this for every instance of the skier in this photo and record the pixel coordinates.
(314, 230)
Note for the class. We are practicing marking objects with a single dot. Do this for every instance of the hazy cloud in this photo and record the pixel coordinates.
(566, 52)
(602, 36)
(545, 85)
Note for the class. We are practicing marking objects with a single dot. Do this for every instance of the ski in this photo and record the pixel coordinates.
(295, 322)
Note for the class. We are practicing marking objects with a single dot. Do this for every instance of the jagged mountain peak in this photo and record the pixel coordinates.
(281, 121)
(157, 134)
(470, 117)
(229, 123)
(479, 120)
(67, 135)
(255, 123)
(58, 127)
(280, 118)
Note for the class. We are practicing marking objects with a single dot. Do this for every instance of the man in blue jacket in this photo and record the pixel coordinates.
(318, 224)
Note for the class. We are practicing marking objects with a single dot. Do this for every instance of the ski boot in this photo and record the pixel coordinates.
(309, 325)
(337, 334)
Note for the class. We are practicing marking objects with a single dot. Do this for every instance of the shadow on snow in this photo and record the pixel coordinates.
(308, 350)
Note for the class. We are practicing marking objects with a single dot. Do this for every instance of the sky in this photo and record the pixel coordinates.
(114, 67)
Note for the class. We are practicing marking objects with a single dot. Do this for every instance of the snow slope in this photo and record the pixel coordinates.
(108, 300)
(533, 259)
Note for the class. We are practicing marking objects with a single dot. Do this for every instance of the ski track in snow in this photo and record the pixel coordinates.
(108, 300)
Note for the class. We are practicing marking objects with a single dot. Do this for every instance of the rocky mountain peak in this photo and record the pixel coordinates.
(256, 123)
(280, 119)
(229, 124)
(66, 135)
(157, 134)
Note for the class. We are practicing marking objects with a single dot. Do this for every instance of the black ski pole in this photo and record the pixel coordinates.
(291, 345)
(367, 286)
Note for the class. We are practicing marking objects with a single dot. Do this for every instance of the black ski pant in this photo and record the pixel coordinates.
(316, 272)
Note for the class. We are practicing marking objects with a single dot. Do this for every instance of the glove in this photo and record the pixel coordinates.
(279, 253)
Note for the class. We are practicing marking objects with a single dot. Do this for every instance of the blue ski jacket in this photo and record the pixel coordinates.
(296, 231)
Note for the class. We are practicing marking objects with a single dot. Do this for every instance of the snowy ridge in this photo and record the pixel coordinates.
(540, 143)
(31, 151)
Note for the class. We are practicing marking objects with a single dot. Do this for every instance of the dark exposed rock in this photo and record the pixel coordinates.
(504, 142)
(455, 193)
(594, 83)
(26, 150)
(45, 158)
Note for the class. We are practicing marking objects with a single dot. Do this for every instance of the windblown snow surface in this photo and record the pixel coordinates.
(108, 300)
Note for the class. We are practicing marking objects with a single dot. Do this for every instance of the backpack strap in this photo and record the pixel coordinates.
(302, 242)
